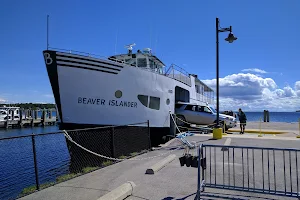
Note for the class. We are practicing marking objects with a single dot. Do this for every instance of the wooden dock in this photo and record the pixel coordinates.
(30, 118)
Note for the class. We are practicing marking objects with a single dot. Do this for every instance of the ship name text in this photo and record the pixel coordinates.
(96, 101)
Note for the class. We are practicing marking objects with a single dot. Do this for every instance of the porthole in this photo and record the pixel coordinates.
(168, 101)
(118, 93)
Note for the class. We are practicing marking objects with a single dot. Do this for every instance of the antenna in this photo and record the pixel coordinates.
(147, 50)
(116, 41)
(47, 32)
(129, 47)
(151, 35)
(155, 44)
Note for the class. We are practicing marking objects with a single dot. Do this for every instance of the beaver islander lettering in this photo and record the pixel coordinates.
(97, 101)
(122, 103)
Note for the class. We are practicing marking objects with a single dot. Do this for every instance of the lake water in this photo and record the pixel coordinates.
(251, 116)
(274, 116)
(16, 157)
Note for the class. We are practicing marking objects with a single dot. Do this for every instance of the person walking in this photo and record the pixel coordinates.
(243, 120)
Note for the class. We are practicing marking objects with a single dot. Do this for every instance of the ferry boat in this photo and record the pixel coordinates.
(122, 89)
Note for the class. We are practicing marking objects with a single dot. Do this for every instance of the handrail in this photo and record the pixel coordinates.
(182, 70)
(176, 67)
(181, 74)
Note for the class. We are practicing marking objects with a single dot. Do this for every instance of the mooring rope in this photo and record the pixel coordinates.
(133, 159)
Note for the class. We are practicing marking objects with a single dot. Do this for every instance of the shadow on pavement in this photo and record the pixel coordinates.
(210, 195)
(172, 198)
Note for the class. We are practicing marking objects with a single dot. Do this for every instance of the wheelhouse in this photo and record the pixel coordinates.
(142, 59)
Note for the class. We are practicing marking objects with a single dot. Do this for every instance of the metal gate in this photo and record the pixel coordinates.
(272, 171)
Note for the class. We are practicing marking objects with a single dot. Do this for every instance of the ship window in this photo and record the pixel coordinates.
(143, 99)
(131, 61)
(142, 62)
(152, 64)
(181, 94)
(154, 103)
(197, 88)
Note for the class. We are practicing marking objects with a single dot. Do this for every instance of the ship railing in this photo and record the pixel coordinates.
(88, 54)
(178, 74)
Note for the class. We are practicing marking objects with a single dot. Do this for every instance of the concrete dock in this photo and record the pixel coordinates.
(293, 126)
(285, 129)
(170, 183)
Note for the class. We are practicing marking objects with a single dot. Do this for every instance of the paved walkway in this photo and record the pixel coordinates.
(294, 126)
(285, 129)
(170, 183)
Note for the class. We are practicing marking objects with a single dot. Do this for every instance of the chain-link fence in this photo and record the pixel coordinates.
(33, 162)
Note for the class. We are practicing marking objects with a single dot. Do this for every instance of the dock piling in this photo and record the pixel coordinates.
(35, 114)
(44, 116)
(21, 118)
(50, 114)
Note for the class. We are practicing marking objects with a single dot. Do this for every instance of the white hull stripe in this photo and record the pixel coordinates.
(99, 60)
(86, 67)
(71, 61)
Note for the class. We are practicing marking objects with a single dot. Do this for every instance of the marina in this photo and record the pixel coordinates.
(129, 102)
(14, 117)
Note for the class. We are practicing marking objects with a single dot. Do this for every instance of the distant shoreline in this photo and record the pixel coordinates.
(34, 106)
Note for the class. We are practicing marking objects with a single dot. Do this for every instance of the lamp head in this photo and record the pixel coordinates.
(231, 38)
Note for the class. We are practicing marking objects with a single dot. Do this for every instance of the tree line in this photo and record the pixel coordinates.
(31, 105)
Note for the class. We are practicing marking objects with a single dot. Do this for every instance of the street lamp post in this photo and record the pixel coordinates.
(231, 38)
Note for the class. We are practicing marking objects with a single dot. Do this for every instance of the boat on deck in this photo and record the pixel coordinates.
(9, 113)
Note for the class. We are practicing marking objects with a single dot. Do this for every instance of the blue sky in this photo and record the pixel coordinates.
(180, 32)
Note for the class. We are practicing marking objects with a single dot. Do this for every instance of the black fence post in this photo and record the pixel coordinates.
(113, 141)
(149, 139)
(35, 162)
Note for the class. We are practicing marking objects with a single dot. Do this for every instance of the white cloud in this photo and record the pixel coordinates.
(2, 100)
(297, 88)
(253, 92)
(254, 70)
(242, 86)
(48, 95)
(35, 96)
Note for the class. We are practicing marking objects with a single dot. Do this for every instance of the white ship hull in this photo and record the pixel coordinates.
(86, 91)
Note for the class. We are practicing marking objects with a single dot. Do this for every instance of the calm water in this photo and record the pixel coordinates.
(16, 157)
(274, 116)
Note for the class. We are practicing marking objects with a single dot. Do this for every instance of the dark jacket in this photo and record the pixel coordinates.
(242, 117)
